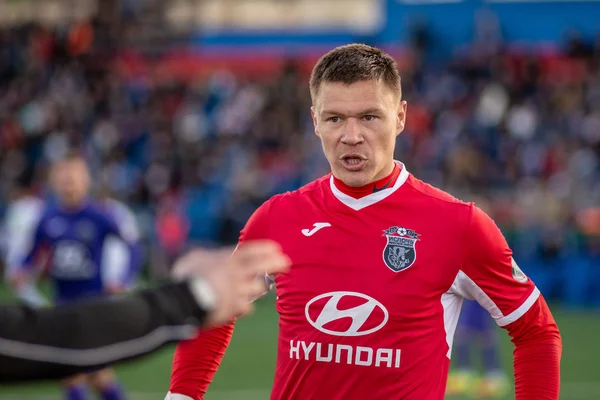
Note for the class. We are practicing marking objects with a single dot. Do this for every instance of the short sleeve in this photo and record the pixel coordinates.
(120, 228)
(127, 223)
(490, 275)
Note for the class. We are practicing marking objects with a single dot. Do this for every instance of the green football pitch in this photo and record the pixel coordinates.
(247, 370)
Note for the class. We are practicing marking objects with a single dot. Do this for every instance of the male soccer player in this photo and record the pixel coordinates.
(74, 232)
(381, 262)
(22, 218)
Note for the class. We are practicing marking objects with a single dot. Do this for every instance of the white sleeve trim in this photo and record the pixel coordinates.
(467, 288)
(176, 396)
(519, 312)
(99, 355)
(451, 303)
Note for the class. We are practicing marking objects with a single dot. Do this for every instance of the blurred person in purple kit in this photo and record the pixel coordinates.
(73, 232)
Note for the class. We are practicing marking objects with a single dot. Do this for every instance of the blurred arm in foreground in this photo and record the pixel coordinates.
(212, 288)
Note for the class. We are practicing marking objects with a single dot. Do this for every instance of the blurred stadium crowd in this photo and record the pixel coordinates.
(517, 132)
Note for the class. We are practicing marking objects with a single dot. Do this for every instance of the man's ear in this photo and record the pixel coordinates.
(401, 117)
(314, 118)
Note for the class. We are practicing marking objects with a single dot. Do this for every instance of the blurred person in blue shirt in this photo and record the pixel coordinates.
(74, 232)
(20, 221)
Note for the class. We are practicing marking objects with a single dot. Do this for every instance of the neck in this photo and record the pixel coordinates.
(72, 207)
(370, 188)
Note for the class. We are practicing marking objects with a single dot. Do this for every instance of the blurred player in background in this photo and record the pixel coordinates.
(381, 262)
(21, 219)
(74, 232)
(476, 335)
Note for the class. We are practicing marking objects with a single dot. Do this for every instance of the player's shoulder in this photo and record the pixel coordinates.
(436, 197)
(303, 193)
(116, 208)
(97, 210)
(50, 218)
(442, 205)
(111, 204)
(48, 210)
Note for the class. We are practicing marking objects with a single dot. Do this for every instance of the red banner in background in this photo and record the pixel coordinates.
(190, 66)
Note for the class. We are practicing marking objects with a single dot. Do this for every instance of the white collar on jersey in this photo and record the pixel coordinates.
(358, 204)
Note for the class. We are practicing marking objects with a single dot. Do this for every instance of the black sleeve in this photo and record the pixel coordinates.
(54, 343)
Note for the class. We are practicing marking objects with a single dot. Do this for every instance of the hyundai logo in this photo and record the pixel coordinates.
(366, 314)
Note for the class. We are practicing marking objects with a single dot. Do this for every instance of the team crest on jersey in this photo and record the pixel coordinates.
(400, 252)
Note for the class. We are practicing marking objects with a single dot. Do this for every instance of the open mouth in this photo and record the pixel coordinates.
(353, 162)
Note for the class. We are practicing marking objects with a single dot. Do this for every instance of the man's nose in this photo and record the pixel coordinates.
(352, 132)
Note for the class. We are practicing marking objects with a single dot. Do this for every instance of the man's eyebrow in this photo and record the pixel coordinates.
(371, 110)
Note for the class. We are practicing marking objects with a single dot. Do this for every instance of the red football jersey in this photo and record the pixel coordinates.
(369, 308)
